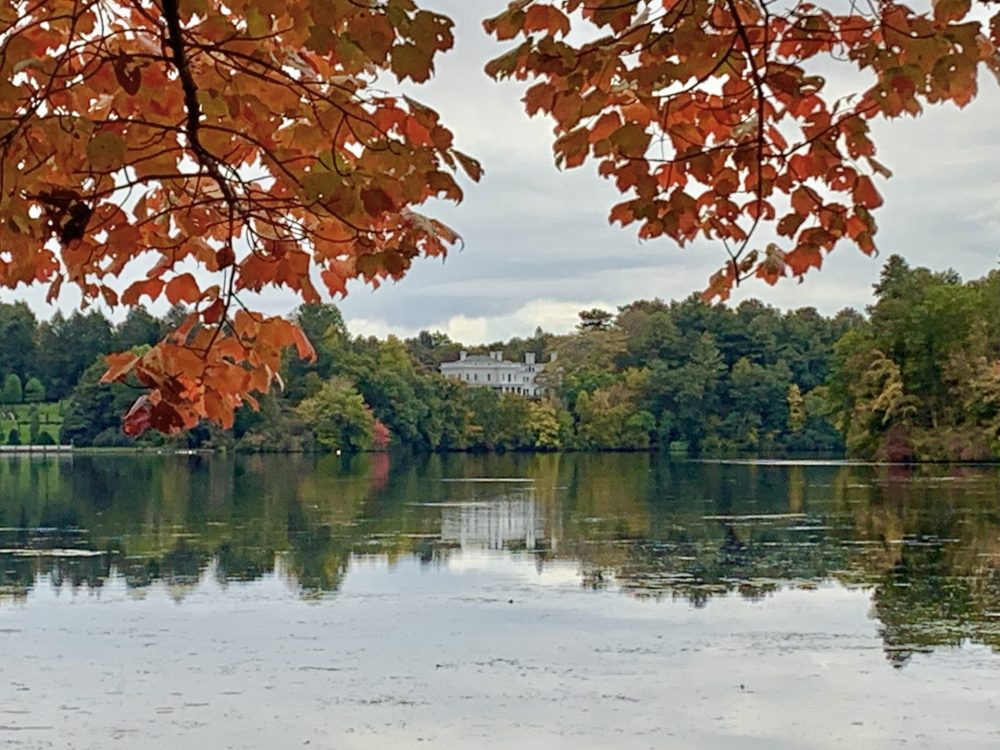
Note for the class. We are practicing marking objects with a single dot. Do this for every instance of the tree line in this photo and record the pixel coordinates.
(917, 378)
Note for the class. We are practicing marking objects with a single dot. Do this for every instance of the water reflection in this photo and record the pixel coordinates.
(926, 542)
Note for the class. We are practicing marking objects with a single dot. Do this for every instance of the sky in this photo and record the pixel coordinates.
(538, 247)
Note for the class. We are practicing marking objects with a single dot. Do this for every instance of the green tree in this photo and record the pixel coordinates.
(494, 421)
(339, 417)
(12, 392)
(685, 400)
(17, 339)
(34, 391)
(915, 382)
(650, 332)
(138, 329)
(95, 409)
(67, 347)
(595, 319)
(385, 376)
(430, 349)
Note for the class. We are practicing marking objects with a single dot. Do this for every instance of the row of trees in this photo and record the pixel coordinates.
(55, 353)
(12, 392)
(918, 378)
(685, 375)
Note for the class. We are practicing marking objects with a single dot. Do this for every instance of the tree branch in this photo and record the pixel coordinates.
(208, 161)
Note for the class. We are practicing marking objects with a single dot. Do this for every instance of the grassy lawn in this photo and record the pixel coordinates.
(19, 416)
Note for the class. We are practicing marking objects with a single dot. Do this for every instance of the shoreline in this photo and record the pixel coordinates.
(804, 459)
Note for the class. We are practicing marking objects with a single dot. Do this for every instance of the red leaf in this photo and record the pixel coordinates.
(865, 194)
(138, 419)
(377, 201)
(546, 18)
(302, 345)
(213, 313)
(152, 288)
(471, 166)
(606, 124)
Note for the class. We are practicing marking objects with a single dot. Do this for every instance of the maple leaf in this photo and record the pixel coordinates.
(119, 365)
(183, 288)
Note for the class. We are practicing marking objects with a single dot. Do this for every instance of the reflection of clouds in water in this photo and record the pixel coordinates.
(521, 567)
(399, 656)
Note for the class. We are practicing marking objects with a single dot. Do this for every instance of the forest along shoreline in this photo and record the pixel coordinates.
(914, 379)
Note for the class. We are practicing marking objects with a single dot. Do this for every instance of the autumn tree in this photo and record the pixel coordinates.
(716, 117)
(545, 425)
(796, 408)
(140, 141)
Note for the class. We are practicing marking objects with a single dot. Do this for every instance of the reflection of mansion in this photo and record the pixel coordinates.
(493, 371)
(494, 525)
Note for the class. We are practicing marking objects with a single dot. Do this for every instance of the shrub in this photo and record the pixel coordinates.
(34, 391)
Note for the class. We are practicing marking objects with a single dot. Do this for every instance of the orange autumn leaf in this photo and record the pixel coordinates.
(119, 365)
(182, 289)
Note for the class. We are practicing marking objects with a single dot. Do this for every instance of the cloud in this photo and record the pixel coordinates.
(552, 316)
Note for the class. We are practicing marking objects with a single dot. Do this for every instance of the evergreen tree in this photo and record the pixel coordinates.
(34, 425)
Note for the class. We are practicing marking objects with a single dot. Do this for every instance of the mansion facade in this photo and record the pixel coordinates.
(493, 371)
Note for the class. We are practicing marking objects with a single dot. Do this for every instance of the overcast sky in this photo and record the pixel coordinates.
(538, 247)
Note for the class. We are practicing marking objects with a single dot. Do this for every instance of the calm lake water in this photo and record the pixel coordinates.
(498, 602)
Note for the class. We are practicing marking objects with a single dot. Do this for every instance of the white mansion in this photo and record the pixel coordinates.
(493, 371)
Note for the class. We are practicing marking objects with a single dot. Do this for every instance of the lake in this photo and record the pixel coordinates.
(553, 601)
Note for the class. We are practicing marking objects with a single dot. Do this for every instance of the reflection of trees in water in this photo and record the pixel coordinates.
(927, 544)
(18, 573)
(926, 599)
